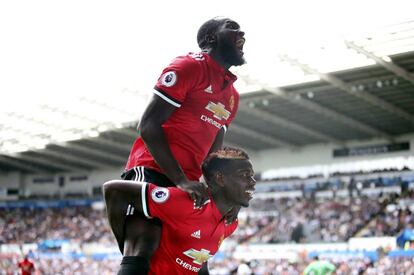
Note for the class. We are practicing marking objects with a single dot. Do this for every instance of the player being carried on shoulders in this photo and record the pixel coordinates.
(190, 235)
(194, 103)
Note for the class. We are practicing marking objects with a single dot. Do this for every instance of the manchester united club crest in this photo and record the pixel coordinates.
(220, 241)
(231, 102)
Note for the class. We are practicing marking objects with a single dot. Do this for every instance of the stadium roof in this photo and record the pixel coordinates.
(354, 88)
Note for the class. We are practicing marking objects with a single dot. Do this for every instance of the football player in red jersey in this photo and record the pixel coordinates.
(190, 235)
(194, 103)
(26, 266)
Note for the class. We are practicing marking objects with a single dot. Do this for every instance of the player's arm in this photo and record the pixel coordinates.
(150, 127)
(204, 269)
(218, 142)
(120, 197)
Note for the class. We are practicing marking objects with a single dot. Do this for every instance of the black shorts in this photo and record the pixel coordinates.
(134, 265)
(141, 173)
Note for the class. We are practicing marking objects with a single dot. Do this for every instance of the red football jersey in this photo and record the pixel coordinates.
(26, 267)
(206, 100)
(189, 236)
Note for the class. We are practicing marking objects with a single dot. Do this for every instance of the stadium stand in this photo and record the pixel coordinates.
(74, 233)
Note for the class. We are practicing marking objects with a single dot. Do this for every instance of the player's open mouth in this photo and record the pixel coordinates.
(250, 193)
(240, 44)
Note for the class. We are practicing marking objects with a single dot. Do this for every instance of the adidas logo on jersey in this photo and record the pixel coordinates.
(196, 234)
(208, 90)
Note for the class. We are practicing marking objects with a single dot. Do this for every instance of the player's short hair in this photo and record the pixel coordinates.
(220, 160)
(208, 28)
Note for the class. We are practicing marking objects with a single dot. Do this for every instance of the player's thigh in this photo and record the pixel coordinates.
(144, 232)
(142, 236)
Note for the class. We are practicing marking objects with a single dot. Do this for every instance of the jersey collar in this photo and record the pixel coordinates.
(229, 76)
(216, 212)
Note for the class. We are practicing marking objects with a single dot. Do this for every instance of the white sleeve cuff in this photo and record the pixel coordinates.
(167, 99)
(144, 200)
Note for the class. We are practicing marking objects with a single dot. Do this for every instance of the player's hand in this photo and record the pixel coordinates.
(196, 190)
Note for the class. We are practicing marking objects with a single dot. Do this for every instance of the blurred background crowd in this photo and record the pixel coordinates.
(291, 216)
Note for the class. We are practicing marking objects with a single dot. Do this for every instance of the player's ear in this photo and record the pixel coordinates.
(210, 39)
(219, 178)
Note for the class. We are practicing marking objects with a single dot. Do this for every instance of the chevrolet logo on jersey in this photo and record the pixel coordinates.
(218, 110)
(199, 256)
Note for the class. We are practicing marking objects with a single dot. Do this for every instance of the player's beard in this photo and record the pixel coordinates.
(230, 53)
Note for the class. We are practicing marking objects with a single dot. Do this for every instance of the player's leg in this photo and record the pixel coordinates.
(141, 236)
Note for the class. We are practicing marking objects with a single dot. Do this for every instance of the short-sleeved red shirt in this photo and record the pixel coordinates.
(206, 100)
(189, 236)
(26, 267)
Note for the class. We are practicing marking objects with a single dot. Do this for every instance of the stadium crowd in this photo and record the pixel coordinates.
(300, 219)
(79, 224)
(385, 265)
(68, 266)
(60, 266)
(393, 218)
(268, 220)
(305, 220)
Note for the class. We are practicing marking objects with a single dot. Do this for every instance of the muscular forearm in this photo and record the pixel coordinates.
(150, 127)
(204, 269)
(218, 142)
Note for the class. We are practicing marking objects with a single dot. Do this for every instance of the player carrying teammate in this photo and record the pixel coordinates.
(190, 235)
(194, 103)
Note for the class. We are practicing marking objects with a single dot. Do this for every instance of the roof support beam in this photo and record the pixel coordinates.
(350, 122)
(80, 160)
(134, 134)
(345, 87)
(92, 151)
(310, 105)
(128, 132)
(111, 144)
(51, 163)
(259, 136)
(316, 90)
(27, 167)
(390, 66)
(279, 121)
